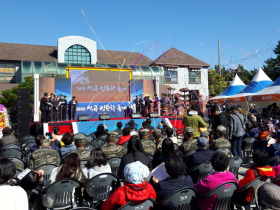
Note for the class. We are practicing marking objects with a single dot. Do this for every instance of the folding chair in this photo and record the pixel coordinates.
(47, 168)
(274, 161)
(12, 153)
(114, 162)
(224, 193)
(234, 164)
(181, 199)
(147, 204)
(247, 145)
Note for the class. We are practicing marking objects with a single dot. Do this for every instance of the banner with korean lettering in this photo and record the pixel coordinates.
(115, 109)
(100, 86)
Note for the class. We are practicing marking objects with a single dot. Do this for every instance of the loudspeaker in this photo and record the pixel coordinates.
(23, 116)
(104, 117)
(136, 115)
(154, 115)
(84, 117)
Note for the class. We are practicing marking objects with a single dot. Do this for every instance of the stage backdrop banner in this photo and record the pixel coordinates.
(88, 127)
(114, 109)
(100, 86)
(136, 88)
(62, 86)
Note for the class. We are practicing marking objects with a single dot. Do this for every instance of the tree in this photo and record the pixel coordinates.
(272, 64)
(216, 83)
(10, 96)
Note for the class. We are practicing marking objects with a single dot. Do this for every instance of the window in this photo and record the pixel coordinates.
(77, 54)
(171, 75)
(194, 75)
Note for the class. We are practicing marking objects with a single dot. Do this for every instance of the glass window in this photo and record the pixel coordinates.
(194, 75)
(171, 75)
(77, 54)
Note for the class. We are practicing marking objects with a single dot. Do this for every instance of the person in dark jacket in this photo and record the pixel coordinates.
(8, 137)
(219, 118)
(135, 152)
(67, 139)
(73, 106)
(44, 108)
(39, 140)
(202, 154)
(271, 148)
(119, 130)
(176, 169)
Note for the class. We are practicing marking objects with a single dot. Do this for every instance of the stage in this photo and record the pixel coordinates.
(87, 127)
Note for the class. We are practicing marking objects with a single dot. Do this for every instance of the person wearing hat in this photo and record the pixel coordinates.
(45, 154)
(148, 145)
(201, 155)
(189, 143)
(80, 142)
(193, 120)
(111, 149)
(267, 196)
(236, 131)
(272, 145)
(73, 106)
(220, 142)
(135, 188)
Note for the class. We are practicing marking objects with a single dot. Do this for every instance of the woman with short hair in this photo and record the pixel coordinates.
(11, 197)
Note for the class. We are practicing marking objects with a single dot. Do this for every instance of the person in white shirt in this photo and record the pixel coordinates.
(11, 197)
(97, 164)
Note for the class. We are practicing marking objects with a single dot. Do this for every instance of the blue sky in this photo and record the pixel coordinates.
(248, 30)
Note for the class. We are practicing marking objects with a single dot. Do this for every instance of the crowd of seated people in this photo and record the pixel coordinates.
(144, 152)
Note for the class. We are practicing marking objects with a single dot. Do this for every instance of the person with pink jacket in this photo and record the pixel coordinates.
(217, 177)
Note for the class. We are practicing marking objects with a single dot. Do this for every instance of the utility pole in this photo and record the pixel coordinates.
(219, 57)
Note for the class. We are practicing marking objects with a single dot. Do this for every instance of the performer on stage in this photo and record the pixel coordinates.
(62, 108)
(137, 104)
(44, 108)
(73, 105)
(142, 104)
(66, 108)
(164, 104)
(55, 108)
(51, 111)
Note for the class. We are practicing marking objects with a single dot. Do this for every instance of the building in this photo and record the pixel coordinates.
(174, 67)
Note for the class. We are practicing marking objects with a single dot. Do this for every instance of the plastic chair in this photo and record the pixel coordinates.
(10, 146)
(224, 193)
(92, 135)
(225, 150)
(25, 138)
(12, 153)
(189, 153)
(147, 204)
(99, 187)
(200, 171)
(47, 168)
(102, 137)
(252, 204)
(97, 143)
(247, 145)
(234, 164)
(63, 190)
(274, 161)
(114, 162)
(27, 146)
(181, 199)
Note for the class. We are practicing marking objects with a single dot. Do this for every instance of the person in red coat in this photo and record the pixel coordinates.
(126, 136)
(135, 188)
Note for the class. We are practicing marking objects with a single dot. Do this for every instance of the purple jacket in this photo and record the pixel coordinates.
(213, 180)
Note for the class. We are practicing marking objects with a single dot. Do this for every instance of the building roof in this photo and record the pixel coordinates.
(176, 57)
(28, 52)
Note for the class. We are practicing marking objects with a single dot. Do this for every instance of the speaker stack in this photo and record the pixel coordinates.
(23, 113)
(104, 117)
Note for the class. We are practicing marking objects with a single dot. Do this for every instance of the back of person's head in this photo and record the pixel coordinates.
(71, 168)
(157, 134)
(97, 158)
(260, 158)
(169, 132)
(126, 131)
(39, 140)
(30, 181)
(135, 173)
(100, 130)
(175, 166)
(219, 161)
(67, 139)
(55, 130)
(119, 124)
(46, 94)
(194, 108)
(267, 196)
(221, 131)
(168, 148)
(134, 144)
(145, 124)
(148, 120)
(7, 170)
(6, 131)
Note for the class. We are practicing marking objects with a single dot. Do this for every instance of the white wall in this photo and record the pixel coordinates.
(183, 82)
(65, 42)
